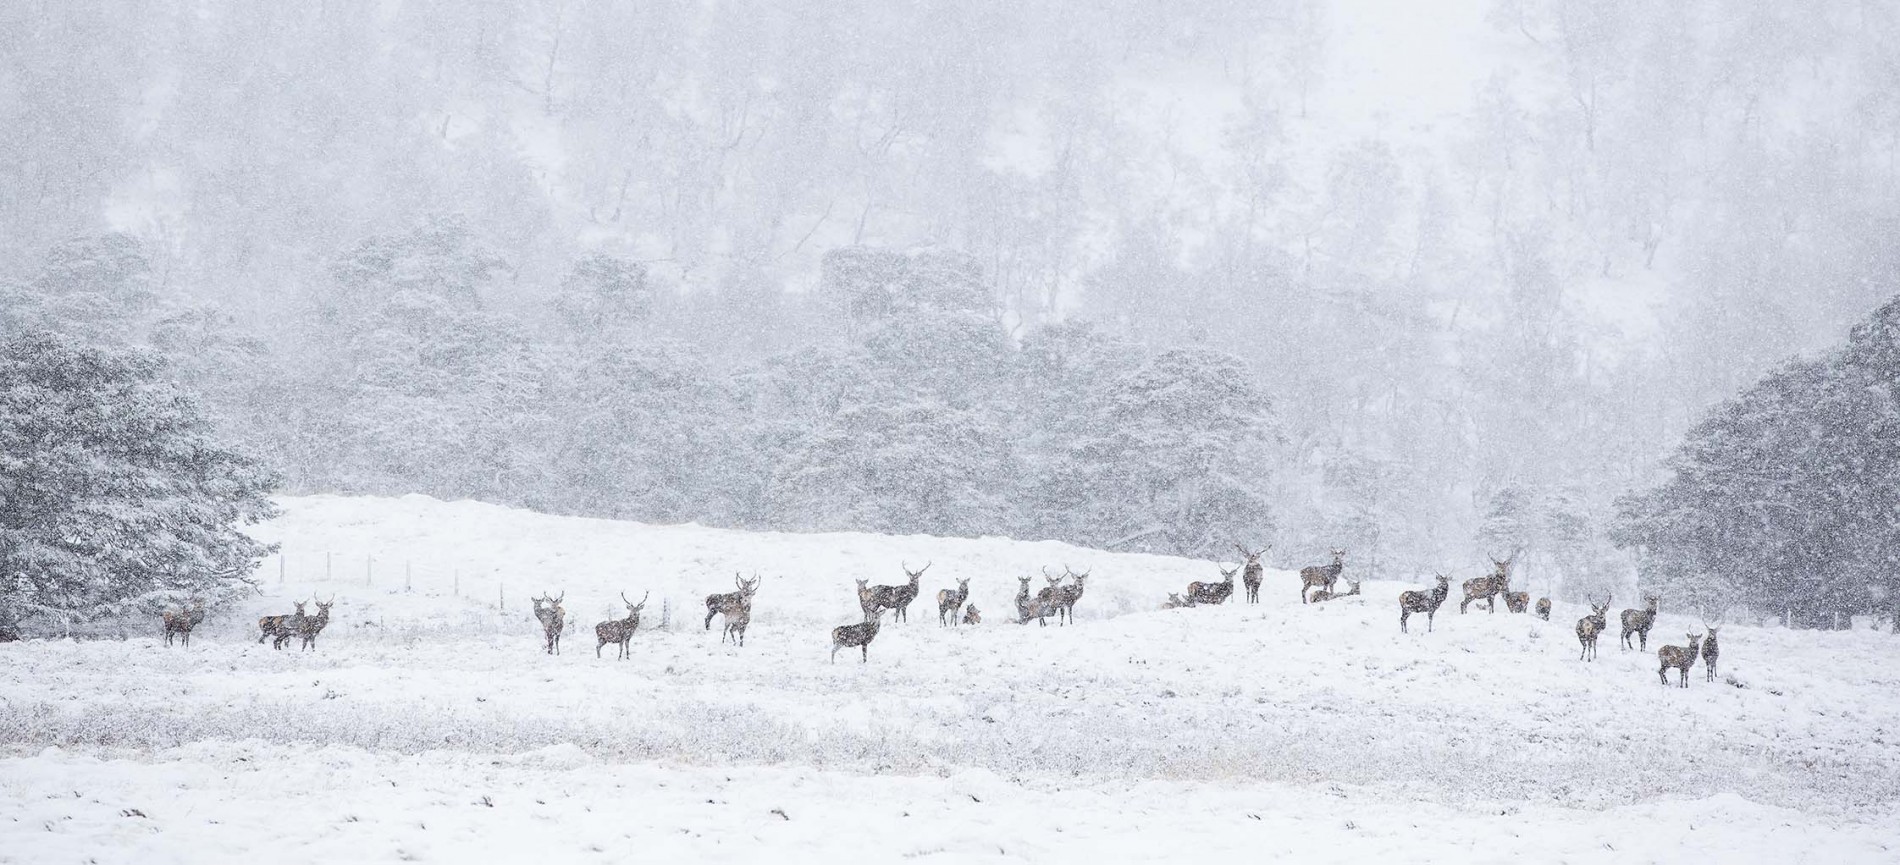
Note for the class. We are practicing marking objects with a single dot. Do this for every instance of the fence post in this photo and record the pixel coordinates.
(326, 566)
(666, 614)
(501, 598)
(457, 590)
(408, 583)
(280, 567)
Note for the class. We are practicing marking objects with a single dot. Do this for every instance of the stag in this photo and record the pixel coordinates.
(730, 603)
(553, 619)
(1322, 575)
(620, 631)
(1423, 602)
(1592, 625)
(1680, 658)
(279, 629)
(1709, 651)
(1639, 622)
(1543, 609)
(901, 596)
(180, 622)
(971, 616)
(1489, 587)
(1321, 596)
(311, 626)
(949, 602)
(860, 635)
(1066, 596)
(1250, 577)
(1214, 593)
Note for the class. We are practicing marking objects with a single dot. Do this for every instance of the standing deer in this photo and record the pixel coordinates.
(620, 631)
(1592, 625)
(279, 629)
(903, 595)
(1250, 576)
(181, 622)
(553, 619)
(950, 602)
(731, 603)
(1215, 593)
(311, 626)
(1066, 596)
(1321, 596)
(736, 625)
(847, 636)
(1543, 609)
(1709, 652)
(1423, 602)
(1638, 622)
(1036, 607)
(1322, 575)
(971, 616)
(1489, 587)
(873, 598)
(1678, 657)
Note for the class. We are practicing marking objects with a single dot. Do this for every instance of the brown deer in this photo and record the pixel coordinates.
(279, 629)
(1592, 625)
(1066, 596)
(1709, 652)
(1489, 587)
(1517, 602)
(180, 622)
(311, 626)
(1543, 609)
(736, 625)
(1250, 576)
(861, 635)
(873, 598)
(1638, 622)
(1423, 602)
(971, 616)
(732, 602)
(620, 631)
(553, 618)
(904, 594)
(1174, 601)
(1321, 596)
(1036, 607)
(1678, 657)
(1322, 575)
(950, 602)
(1215, 593)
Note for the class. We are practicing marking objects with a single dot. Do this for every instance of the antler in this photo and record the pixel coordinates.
(738, 580)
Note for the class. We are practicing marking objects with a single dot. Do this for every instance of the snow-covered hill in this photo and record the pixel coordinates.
(430, 726)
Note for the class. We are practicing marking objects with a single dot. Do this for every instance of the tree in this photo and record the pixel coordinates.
(98, 287)
(603, 296)
(114, 493)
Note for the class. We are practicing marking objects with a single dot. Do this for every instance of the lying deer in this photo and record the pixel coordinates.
(311, 626)
(1543, 609)
(180, 622)
(279, 629)
(731, 603)
(1322, 576)
(1423, 602)
(1488, 588)
(1174, 601)
(1250, 576)
(971, 616)
(553, 618)
(1592, 625)
(1321, 596)
(1639, 622)
(861, 635)
(620, 631)
(1678, 657)
(949, 602)
(1216, 593)
(1517, 602)
(1037, 607)
(1709, 653)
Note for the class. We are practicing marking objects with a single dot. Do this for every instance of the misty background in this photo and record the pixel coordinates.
(1419, 283)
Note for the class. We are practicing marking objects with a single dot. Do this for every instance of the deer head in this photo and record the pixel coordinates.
(1253, 557)
(632, 607)
(748, 587)
(913, 575)
(1339, 556)
(1228, 573)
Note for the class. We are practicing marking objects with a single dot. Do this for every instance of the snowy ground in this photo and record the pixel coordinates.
(429, 726)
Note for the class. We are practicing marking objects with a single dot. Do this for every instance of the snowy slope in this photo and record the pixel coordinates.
(1318, 730)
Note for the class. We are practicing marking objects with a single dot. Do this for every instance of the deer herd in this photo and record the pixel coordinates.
(1056, 599)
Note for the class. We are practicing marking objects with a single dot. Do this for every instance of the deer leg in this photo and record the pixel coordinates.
(866, 648)
(710, 612)
(834, 653)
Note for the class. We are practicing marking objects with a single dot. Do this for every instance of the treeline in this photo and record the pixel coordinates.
(914, 410)
(1786, 498)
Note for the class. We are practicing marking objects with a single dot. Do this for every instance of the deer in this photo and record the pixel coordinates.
(1318, 575)
(1066, 596)
(311, 626)
(179, 623)
(1638, 622)
(1423, 602)
(860, 636)
(1215, 593)
(872, 598)
(736, 625)
(1709, 651)
(1543, 609)
(1250, 576)
(279, 629)
(553, 619)
(1680, 658)
(1321, 596)
(731, 603)
(1488, 588)
(1590, 626)
(1517, 602)
(1174, 601)
(971, 616)
(906, 593)
(949, 602)
(1028, 607)
(620, 631)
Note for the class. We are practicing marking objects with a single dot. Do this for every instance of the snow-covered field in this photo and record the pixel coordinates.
(429, 725)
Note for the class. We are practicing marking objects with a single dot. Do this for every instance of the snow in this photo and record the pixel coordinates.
(431, 727)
